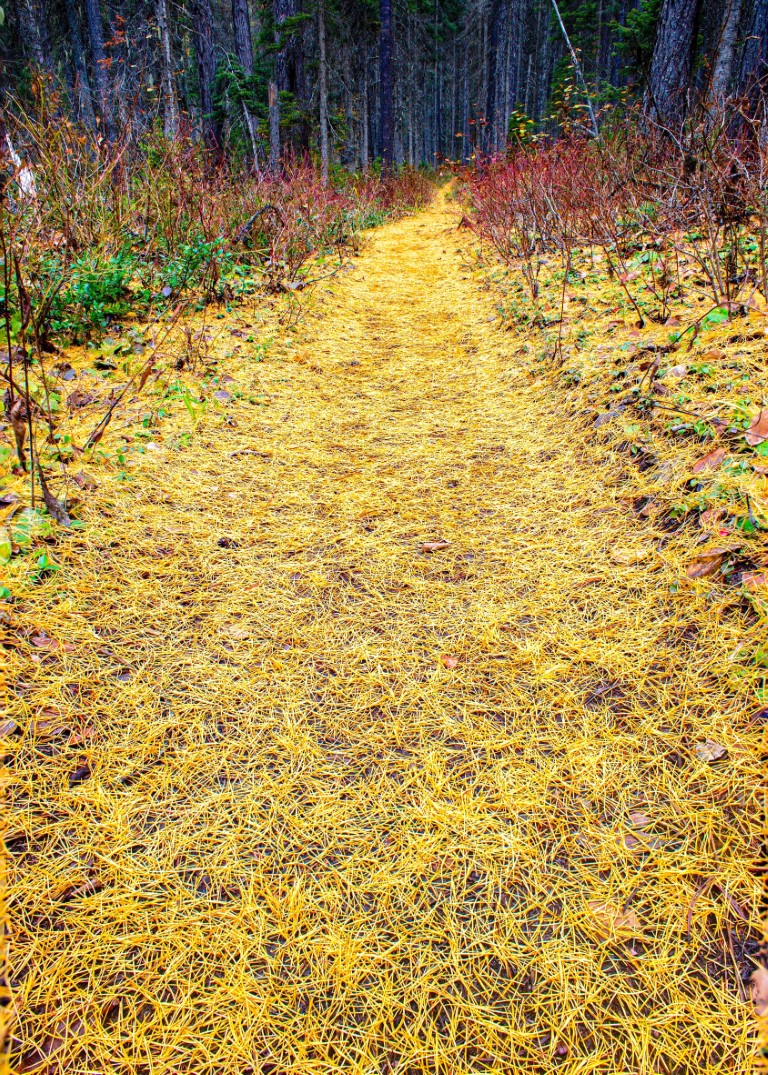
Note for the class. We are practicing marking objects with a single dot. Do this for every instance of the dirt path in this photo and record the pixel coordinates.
(357, 807)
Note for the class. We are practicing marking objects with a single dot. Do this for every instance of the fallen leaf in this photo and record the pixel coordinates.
(758, 428)
(713, 354)
(42, 641)
(222, 396)
(47, 728)
(6, 546)
(710, 751)
(7, 727)
(630, 556)
(711, 517)
(710, 461)
(81, 773)
(760, 990)
(707, 563)
(638, 820)
(754, 580)
(448, 661)
(677, 371)
(435, 546)
(235, 631)
(613, 921)
(84, 481)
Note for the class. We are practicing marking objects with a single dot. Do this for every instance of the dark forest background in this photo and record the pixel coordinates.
(355, 81)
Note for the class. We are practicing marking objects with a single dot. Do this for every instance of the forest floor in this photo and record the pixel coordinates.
(365, 728)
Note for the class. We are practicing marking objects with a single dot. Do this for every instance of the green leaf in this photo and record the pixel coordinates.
(715, 317)
(6, 547)
(45, 563)
(762, 449)
(5, 593)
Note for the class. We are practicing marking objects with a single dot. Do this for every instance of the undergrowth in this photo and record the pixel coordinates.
(632, 272)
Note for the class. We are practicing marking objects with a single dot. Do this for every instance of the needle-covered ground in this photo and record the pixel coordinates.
(365, 728)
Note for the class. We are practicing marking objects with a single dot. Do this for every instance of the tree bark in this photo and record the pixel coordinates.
(365, 151)
(274, 129)
(241, 22)
(672, 60)
(82, 82)
(753, 61)
(726, 49)
(34, 33)
(385, 86)
(323, 93)
(170, 103)
(100, 72)
(205, 57)
(289, 60)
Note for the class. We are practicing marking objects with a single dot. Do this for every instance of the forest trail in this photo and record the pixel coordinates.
(354, 806)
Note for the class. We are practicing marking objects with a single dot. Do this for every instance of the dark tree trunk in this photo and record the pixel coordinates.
(722, 69)
(100, 73)
(289, 61)
(241, 23)
(753, 61)
(34, 33)
(385, 86)
(671, 64)
(493, 68)
(274, 129)
(82, 82)
(205, 57)
(170, 104)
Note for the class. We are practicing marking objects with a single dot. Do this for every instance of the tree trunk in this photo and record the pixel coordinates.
(274, 129)
(753, 62)
(170, 104)
(34, 33)
(241, 23)
(385, 88)
(205, 57)
(492, 76)
(365, 150)
(726, 48)
(349, 112)
(289, 61)
(671, 64)
(82, 82)
(100, 74)
(323, 93)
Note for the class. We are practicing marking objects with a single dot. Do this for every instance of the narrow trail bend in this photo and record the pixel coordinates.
(358, 807)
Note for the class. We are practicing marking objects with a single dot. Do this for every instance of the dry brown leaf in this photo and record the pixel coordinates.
(7, 727)
(84, 481)
(638, 820)
(612, 921)
(711, 517)
(630, 556)
(677, 371)
(758, 428)
(710, 751)
(449, 661)
(713, 354)
(760, 990)
(754, 580)
(710, 461)
(707, 563)
(435, 546)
